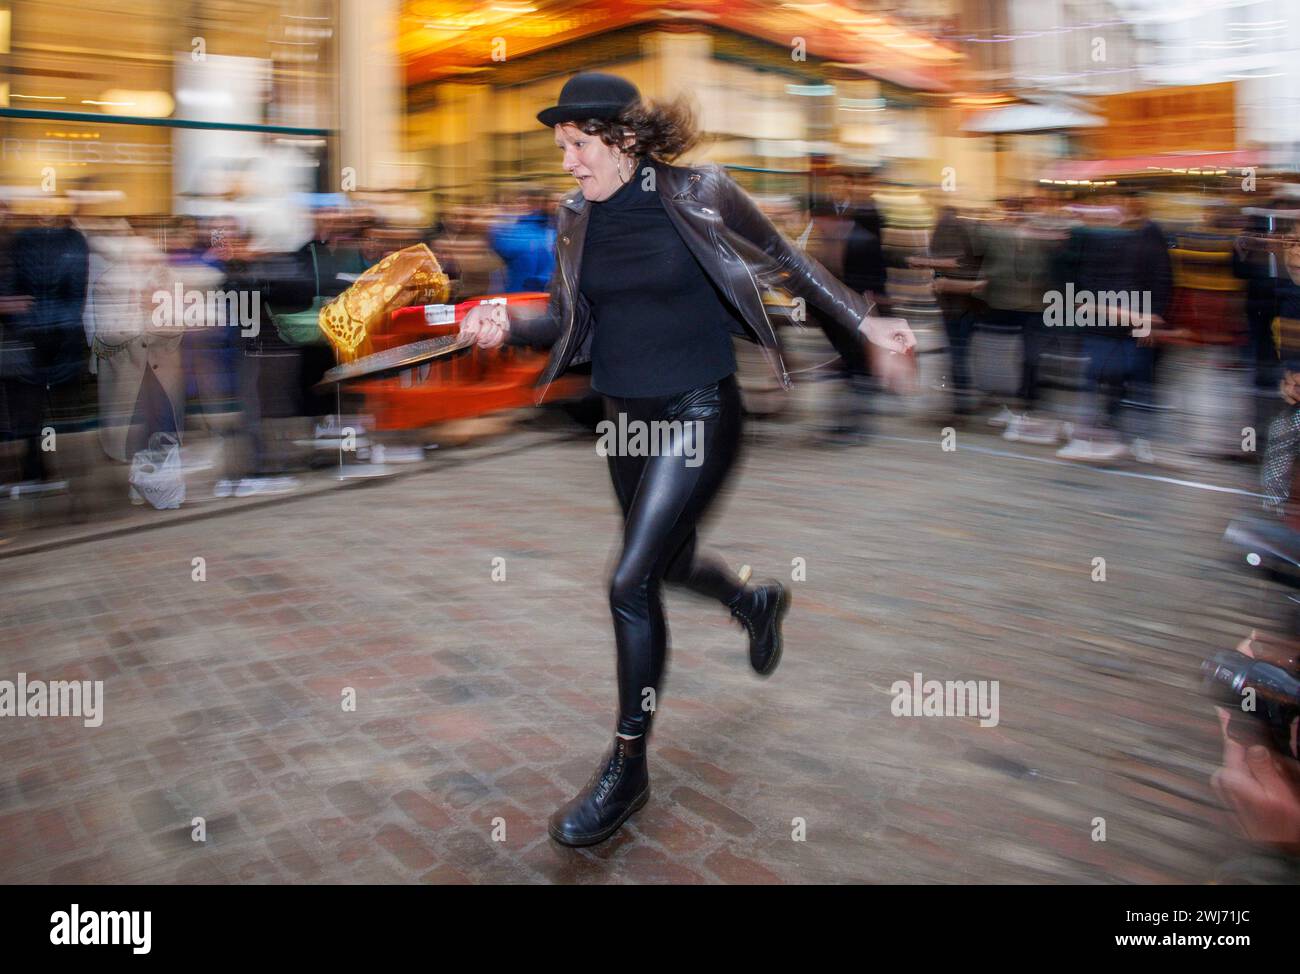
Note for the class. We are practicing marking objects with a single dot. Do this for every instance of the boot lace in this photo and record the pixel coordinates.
(741, 616)
(609, 777)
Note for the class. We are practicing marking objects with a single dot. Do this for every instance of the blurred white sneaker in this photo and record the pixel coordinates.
(1002, 418)
(260, 486)
(34, 488)
(1091, 451)
(401, 454)
(1109, 451)
(330, 435)
(223, 488)
(1041, 432)
(1075, 450)
(1142, 451)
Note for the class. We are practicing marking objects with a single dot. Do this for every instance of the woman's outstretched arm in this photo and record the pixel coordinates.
(803, 276)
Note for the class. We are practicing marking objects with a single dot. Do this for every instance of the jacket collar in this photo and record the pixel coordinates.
(673, 183)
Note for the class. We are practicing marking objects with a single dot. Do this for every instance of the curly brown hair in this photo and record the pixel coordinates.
(662, 130)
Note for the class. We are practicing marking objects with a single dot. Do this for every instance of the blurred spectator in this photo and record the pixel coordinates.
(1154, 275)
(330, 261)
(380, 241)
(210, 354)
(1284, 331)
(45, 353)
(955, 279)
(1278, 472)
(1284, 431)
(786, 215)
(464, 253)
(1209, 300)
(323, 268)
(526, 243)
(11, 305)
(844, 235)
(1259, 260)
(269, 373)
(864, 257)
(137, 351)
(1017, 260)
(1117, 250)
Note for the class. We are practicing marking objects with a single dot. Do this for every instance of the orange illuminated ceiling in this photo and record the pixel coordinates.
(446, 39)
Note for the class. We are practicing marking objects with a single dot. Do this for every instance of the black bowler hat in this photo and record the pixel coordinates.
(590, 94)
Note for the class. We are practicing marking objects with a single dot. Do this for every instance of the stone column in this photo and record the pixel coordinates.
(371, 88)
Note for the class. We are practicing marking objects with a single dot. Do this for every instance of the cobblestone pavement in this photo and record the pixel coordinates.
(482, 702)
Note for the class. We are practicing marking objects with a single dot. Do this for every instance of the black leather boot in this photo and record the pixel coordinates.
(759, 610)
(619, 787)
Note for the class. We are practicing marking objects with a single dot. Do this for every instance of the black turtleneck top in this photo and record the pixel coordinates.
(661, 325)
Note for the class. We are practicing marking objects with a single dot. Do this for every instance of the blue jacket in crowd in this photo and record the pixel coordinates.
(527, 245)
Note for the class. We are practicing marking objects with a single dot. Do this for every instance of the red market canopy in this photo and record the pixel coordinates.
(453, 39)
(1182, 162)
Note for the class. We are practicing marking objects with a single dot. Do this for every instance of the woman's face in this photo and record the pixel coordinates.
(588, 159)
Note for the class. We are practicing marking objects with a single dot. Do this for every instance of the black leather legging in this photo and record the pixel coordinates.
(663, 497)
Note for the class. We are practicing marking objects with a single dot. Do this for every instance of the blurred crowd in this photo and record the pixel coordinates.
(1081, 319)
(141, 330)
(1076, 318)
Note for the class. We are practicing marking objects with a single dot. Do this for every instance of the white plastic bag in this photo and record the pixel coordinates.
(156, 473)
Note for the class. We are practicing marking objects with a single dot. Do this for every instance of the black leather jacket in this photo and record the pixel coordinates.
(736, 245)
